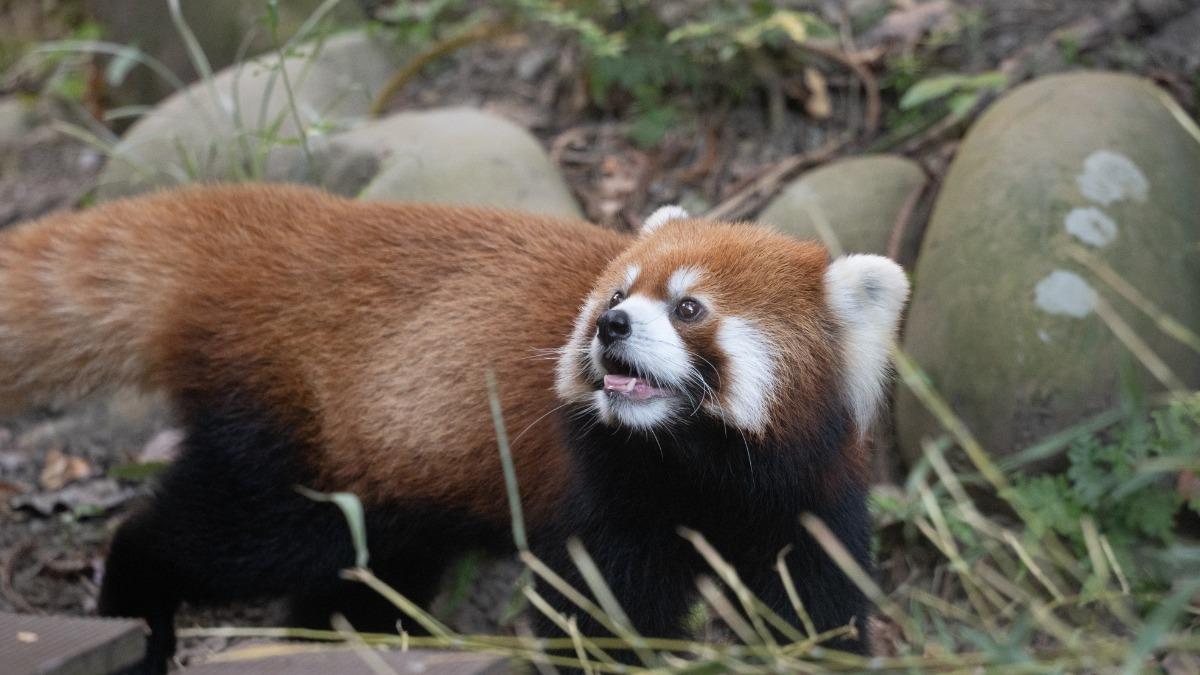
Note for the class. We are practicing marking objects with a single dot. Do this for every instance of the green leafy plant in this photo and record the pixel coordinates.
(1122, 480)
(960, 93)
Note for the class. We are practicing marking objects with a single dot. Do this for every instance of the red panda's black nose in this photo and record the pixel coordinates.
(613, 325)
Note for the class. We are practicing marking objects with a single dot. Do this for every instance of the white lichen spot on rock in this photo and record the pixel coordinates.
(1091, 226)
(1064, 292)
(1111, 177)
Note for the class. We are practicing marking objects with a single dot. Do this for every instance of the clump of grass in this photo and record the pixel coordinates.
(239, 141)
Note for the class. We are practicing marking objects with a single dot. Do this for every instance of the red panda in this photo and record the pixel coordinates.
(714, 376)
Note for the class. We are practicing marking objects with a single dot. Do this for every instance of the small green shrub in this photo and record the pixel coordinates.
(1122, 480)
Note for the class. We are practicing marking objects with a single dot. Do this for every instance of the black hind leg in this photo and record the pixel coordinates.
(195, 546)
(136, 584)
(226, 524)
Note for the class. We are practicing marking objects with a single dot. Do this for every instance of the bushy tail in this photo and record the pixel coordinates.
(77, 304)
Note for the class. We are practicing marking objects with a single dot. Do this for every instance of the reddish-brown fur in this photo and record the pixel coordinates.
(339, 310)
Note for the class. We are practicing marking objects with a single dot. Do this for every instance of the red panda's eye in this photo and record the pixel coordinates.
(689, 310)
(616, 299)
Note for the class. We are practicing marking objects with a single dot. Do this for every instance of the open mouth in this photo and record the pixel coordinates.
(620, 382)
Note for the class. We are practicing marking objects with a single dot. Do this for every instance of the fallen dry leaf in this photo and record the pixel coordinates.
(620, 176)
(1188, 485)
(67, 567)
(906, 26)
(164, 447)
(12, 488)
(61, 469)
(1181, 664)
(817, 105)
(92, 498)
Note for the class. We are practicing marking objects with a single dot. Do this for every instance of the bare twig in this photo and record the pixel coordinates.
(479, 33)
(749, 198)
(7, 571)
(900, 225)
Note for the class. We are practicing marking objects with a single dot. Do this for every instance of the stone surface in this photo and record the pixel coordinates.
(15, 120)
(223, 28)
(859, 198)
(244, 123)
(456, 155)
(1005, 325)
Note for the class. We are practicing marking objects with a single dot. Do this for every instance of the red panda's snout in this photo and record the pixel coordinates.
(734, 322)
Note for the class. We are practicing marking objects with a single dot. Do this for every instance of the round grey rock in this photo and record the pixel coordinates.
(856, 199)
(1008, 329)
(16, 119)
(455, 156)
(244, 123)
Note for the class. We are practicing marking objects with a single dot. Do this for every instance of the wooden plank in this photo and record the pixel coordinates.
(62, 645)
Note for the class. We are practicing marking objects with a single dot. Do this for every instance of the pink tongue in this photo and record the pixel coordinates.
(630, 387)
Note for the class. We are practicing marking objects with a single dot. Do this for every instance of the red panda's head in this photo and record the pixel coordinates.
(733, 321)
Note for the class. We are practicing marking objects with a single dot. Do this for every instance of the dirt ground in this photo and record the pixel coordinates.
(60, 496)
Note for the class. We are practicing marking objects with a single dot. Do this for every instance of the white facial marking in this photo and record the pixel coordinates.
(653, 347)
(663, 215)
(643, 415)
(1091, 226)
(1111, 177)
(681, 281)
(867, 294)
(749, 382)
(631, 275)
(1063, 292)
(569, 382)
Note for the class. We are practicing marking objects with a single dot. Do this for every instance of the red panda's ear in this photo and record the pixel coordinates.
(661, 216)
(867, 294)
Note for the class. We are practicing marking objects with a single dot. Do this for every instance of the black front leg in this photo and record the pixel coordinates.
(652, 578)
(831, 599)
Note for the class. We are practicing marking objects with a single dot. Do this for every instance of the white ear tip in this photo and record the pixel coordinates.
(867, 293)
(873, 279)
(663, 215)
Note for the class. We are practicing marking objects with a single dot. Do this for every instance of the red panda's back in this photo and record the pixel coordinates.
(365, 327)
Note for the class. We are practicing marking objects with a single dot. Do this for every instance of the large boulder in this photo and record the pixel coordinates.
(1005, 325)
(455, 155)
(858, 198)
(245, 124)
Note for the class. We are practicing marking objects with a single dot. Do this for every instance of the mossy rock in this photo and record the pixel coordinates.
(858, 198)
(1005, 325)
